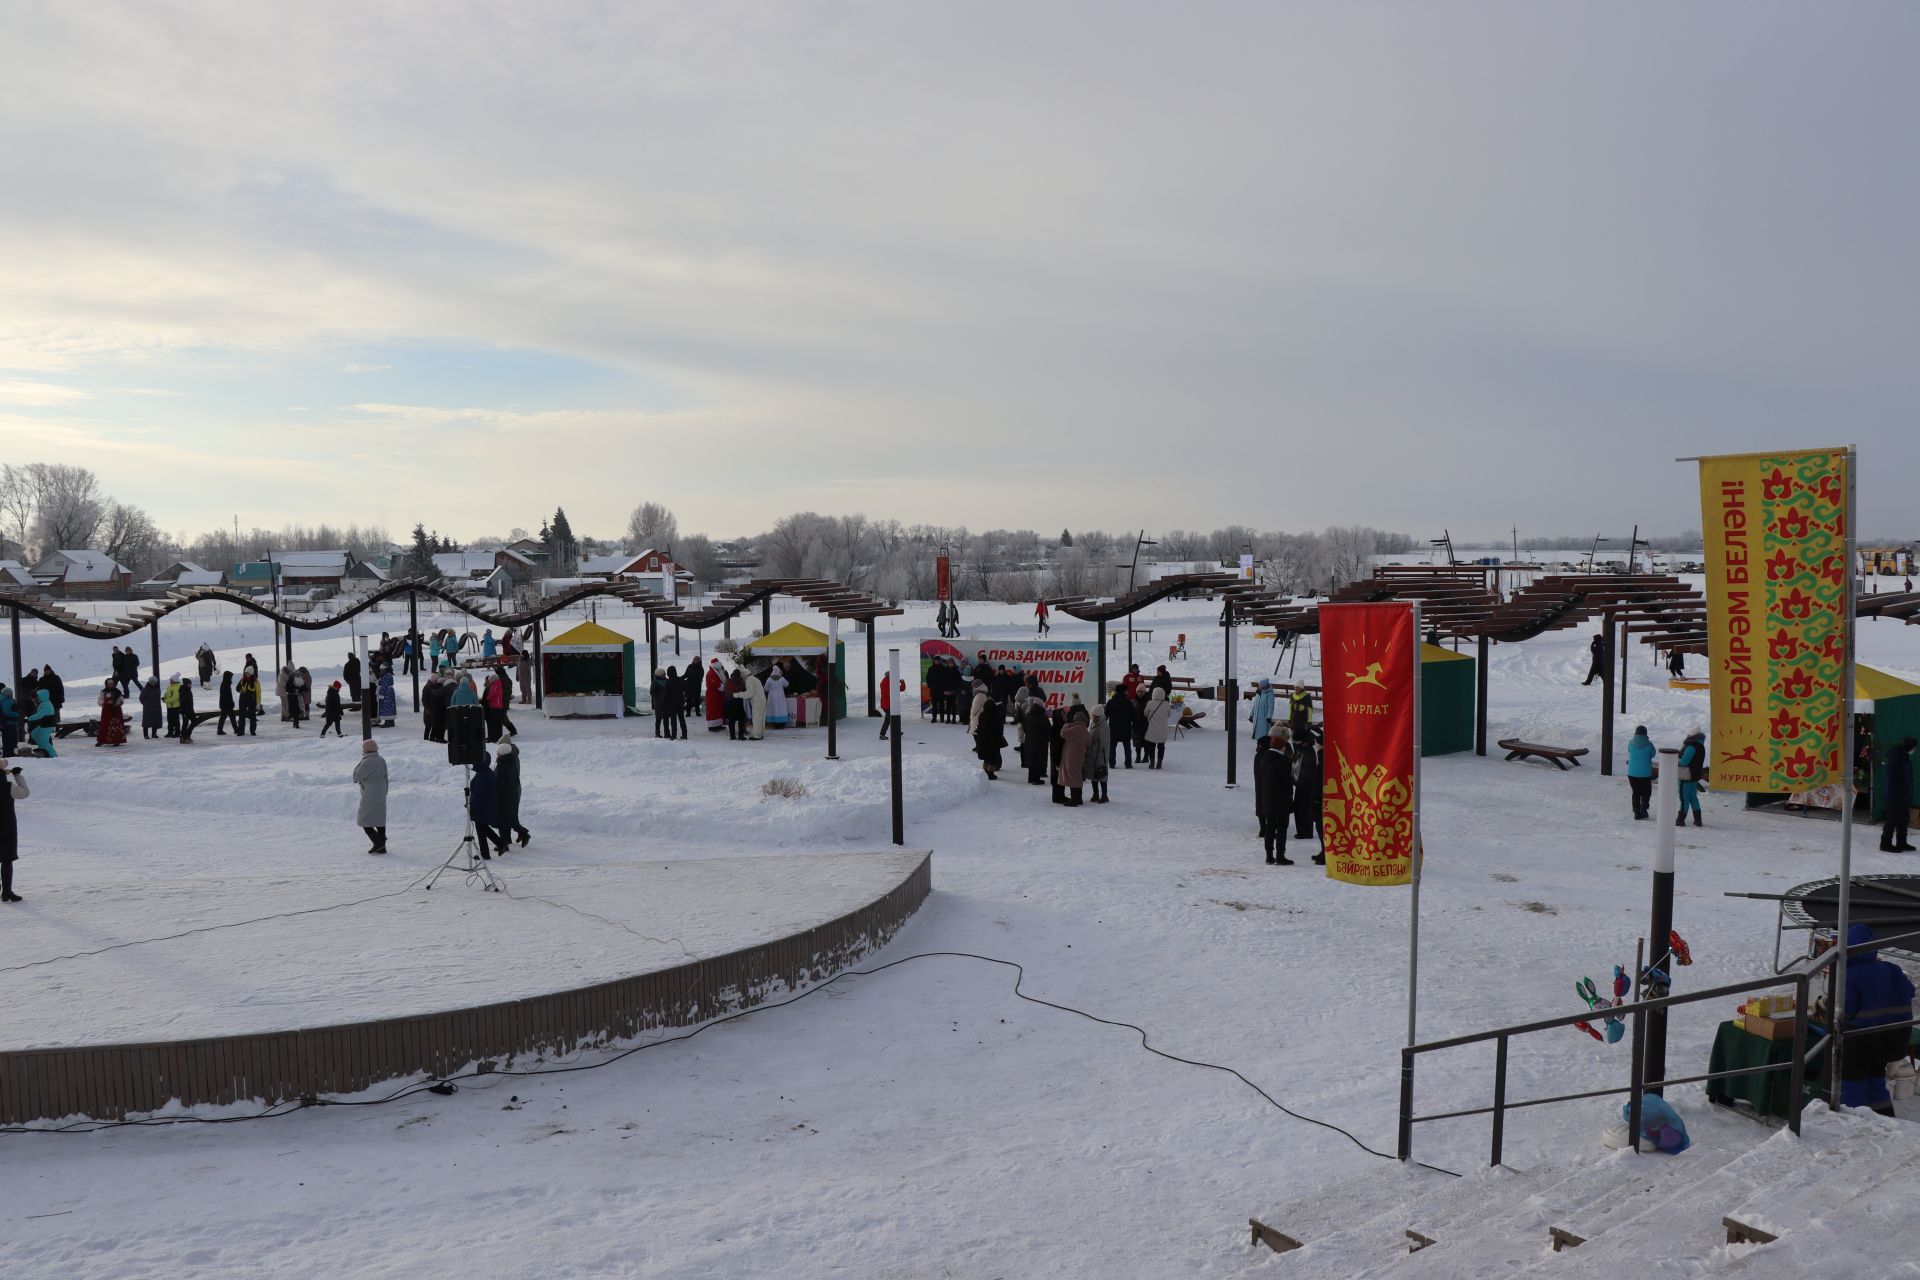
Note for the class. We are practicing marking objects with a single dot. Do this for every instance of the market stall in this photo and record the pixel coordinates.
(808, 648)
(1446, 701)
(589, 673)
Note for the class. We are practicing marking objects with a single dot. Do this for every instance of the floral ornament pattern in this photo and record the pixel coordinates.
(1368, 813)
(1803, 545)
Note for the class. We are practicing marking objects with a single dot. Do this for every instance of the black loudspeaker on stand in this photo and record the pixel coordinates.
(466, 735)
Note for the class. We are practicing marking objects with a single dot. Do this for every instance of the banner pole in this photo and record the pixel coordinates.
(1846, 780)
(1419, 852)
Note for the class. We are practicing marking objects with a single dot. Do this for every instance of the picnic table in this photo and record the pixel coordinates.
(1113, 637)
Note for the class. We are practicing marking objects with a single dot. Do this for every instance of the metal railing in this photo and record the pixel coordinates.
(1637, 1086)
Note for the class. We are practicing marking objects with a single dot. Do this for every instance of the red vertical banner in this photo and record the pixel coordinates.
(943, 578)
(1370, 678)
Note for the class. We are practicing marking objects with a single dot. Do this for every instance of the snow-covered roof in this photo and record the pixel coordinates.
(523, 559)
(79, 566)
(200, 578)
(463, 564)
(313, 564)
(15, 574)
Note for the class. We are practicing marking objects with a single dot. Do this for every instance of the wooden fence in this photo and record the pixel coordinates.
(110, 1082)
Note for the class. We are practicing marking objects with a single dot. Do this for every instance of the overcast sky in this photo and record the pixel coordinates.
(1107, 264)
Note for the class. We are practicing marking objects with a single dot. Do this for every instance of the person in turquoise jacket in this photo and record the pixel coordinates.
(9, 722)
(41, 723)
(1263, 711)
(464, 695)
(1640, 772)
(1693, 767)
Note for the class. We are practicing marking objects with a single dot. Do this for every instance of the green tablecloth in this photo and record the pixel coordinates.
(1734, 1049)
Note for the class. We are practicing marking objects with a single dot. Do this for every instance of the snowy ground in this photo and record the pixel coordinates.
(917, 1122)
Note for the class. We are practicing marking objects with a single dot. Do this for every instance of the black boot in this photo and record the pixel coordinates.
(1697, 822)
(1320, 859)
(1283, 860)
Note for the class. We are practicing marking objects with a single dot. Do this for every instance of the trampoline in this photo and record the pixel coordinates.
(1890, 903)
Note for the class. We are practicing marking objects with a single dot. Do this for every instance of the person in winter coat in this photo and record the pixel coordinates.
(1075, 736)
(350, 675)
(990, 737)
(1162, 680)
(370, 775)
(1597, 661)
(170, 699)
(779, 708)
(1040, 615)
(1273, 786)
(1130, 683)
(227, 705)
(186, 711)
(14, 788)
(56, 690)
(886, 703)
(1159, 727)
(488, 646)
(283, 690)
(754, 696)
(1897, 797)
(977, 706)
(657, 698)
(493, 705)
(506, 772)
(1308, 775)
(150, 708)
(483, 805)
(1036, 733)
(248, 668)
(1640, 756)
(464, 694)
(1692, 767)
(248, 703)
(676, 703)
(1056, 747)
(386, 706)
(716, 696)
(1099, 754)
(112, 728)
(1878, 993)
(40, 722)
(1120, 726)
(28, 694)
(204, 657)
(523, 675)
(691, 691)
(1676, 664)
(1262, 714)
(332, 709)
(303, 691)
(1299, 714)
(735, 706)
(9, 722)
(433, 704)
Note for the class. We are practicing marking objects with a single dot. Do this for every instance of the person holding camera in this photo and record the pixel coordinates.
(16, 789)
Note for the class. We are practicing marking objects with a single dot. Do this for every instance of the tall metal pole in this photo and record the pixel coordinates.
(653, 650)
(873, 707)
(539, 669)
(419, 643)
(827, 686)
(766, 615)
(1844, 911)
(15, 611)
(1419, 855)
(1623, 666)
(1100, 663)
(1606, 696)
(153, 636)
(1480, 700)
(1230, 695)
(1665, 813)
(894, 699)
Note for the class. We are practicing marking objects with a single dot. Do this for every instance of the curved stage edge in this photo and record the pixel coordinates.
(111, 1082)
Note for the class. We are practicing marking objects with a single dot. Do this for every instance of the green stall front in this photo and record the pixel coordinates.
(1446, 701)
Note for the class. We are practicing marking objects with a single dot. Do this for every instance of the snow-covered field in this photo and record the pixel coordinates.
(917, 1122)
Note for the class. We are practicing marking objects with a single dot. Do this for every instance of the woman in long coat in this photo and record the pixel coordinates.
(1099, 747)
(1074, 736)
(283, 690)
(779, 710)
(1263, 710)
(716, 697)
(12, 788)
(387, 707)
(1035, 732)
(989, 733)
(1273, 794)
(150, 708)
(1159, 727)
(113, 722)
(506, 790)
(370, 775)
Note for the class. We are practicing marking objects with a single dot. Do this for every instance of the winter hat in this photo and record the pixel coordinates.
(174, 678)
(369, 747)
(1639, 731)
(506, 738)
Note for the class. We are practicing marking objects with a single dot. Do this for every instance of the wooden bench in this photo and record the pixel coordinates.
(1559, 757)
(67, 728)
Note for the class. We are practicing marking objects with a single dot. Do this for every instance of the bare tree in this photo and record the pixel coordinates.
(651, 527)
(69, 504)
(131, 537)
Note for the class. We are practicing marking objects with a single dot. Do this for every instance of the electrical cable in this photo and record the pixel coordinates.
(438, 1084)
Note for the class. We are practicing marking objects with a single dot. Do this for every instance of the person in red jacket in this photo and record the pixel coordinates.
(886, 704)
(493, 704)
(1040, 613)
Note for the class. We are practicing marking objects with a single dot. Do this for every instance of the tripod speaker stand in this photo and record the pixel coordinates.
(466, 855)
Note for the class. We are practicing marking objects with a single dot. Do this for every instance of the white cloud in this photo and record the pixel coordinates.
(361, 367)
(38, 394)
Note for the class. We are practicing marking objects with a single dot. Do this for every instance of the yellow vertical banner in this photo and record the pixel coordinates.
(1778, 617)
